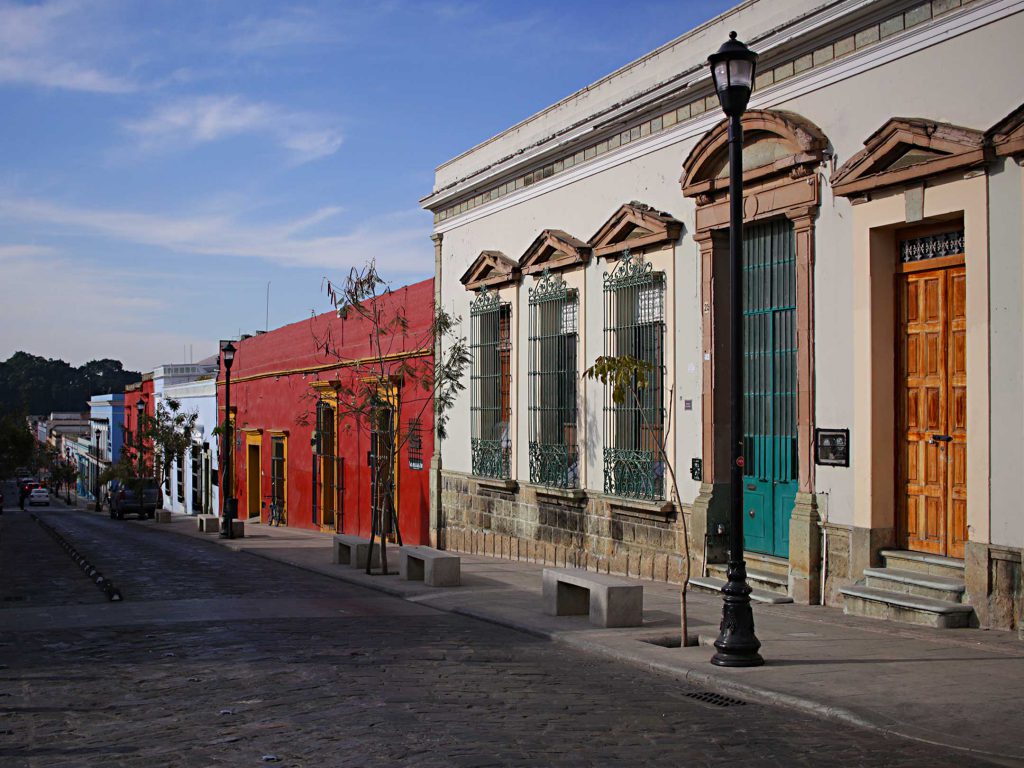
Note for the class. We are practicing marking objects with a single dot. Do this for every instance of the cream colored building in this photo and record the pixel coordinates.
(884, 274)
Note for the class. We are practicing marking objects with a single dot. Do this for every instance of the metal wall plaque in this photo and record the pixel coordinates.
(696, 469)
(832, 447)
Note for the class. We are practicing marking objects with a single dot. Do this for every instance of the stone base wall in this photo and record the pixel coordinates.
(995, 585)
(838, 563)
(572, 529)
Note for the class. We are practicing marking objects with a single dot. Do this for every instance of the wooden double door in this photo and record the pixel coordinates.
(932, 426)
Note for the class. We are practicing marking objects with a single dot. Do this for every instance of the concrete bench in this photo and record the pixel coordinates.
(610, 601)
(163, 516)
(431, 566)
(238, 529)
(208, 523)
(353, 550)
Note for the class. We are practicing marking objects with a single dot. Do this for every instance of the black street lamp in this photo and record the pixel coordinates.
(229, 504)
(732, 69)
(96, 483)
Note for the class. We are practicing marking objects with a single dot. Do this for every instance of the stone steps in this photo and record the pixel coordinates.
(876, 603)
(711, 584)
(913, 588)
(915, 583)
(761, 580)
(937, 565)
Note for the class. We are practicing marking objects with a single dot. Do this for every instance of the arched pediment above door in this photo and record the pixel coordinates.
(775, 143)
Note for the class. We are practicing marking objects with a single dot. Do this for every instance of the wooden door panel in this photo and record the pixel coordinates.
(923, 381)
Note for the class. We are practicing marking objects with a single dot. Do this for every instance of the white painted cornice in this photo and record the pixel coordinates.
(895, 47)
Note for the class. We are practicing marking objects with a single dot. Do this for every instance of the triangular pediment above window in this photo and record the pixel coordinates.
(635, 226)
(1007, 136)
(491, 269)
(908, 149)
(554, 249)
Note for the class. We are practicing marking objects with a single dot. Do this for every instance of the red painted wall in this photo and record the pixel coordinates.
(272, 391)
(131, 398)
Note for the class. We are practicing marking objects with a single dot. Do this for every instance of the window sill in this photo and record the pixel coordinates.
(566, 494)
(498, 484)
(661, 509)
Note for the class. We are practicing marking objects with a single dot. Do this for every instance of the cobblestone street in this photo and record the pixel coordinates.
(221, 658)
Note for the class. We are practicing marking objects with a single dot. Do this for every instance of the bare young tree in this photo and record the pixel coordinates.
(627, 376)
(368, 396)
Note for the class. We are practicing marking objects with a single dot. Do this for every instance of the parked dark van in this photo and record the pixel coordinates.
(124, 500)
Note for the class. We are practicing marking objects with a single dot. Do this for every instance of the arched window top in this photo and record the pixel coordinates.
(774, 143)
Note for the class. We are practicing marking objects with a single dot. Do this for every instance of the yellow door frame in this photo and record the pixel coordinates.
(329, 394)
(253, 438)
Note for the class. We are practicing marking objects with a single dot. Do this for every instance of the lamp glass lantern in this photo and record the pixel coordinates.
(229, 354)
(732, 69)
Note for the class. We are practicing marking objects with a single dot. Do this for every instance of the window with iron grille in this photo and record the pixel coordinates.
(554, 313)
(491, 386)
(180, 478)
(634, 325)
(195, 459)
(415, 445)
(278, 475)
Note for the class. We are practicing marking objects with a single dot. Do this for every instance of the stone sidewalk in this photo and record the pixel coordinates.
(961, 689)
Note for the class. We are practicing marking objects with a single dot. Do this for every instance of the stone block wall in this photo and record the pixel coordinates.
(838, 563)
(564, 528)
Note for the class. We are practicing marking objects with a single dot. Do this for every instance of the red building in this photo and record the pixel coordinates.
(315, 459)
(140, 390)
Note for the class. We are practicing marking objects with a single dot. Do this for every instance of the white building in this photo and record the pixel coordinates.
(190, 484)
(885, 280)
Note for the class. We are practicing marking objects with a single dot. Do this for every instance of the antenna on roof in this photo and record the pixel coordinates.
(266, 324)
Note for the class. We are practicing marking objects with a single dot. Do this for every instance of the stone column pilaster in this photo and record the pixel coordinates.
(805, 551)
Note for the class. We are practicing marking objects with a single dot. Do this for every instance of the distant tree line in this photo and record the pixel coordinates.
(37, 385)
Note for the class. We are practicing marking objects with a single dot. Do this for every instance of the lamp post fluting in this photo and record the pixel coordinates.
(229, 504)
(732, 68)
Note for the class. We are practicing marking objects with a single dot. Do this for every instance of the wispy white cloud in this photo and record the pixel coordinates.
(46, 45)
(201, 119)
(398, 240)
(297, 26)
(20, 251)
(111, 315)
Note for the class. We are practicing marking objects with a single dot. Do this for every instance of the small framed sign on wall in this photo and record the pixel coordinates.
(832, 447)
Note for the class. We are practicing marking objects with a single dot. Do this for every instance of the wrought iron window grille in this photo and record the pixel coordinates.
(491, 385)
(415, 444)
(634, 325)
(932, 247)
(553, 344)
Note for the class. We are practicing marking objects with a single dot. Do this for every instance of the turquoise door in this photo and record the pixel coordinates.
(769, 385)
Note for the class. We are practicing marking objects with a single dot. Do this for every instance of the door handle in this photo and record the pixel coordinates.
(941, 439)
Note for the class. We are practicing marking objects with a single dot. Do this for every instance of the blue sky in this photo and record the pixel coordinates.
(162, 161)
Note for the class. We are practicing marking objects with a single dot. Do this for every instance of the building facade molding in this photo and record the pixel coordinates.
(1007, 136)
(553, 250)
(491, 269)
(906, 150)
(637, 227)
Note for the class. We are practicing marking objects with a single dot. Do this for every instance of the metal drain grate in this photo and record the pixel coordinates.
(716, 699)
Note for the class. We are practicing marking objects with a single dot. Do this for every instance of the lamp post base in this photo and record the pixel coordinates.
(737, 645)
